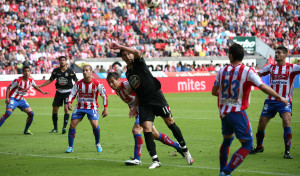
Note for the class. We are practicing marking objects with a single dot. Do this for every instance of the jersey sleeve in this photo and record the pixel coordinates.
(13, 84)
(53, 75)
(296, 69)
(102, 92)
(33, 83)
(266, 70)
(254, 78)
(73, 94)
(127, 86)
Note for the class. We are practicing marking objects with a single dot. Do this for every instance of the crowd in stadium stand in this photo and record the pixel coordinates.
(36, 32)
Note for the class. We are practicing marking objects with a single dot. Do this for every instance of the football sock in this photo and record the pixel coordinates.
(260, 138)
(138, 143)
(177, 134)
(166, 140)
(54, 120)
(71, 136)
(238, 157)
(287, 138)
(97, 134)
(4, 117)
(66, 119)
(150, 145)
(29, 120)
(224, 152)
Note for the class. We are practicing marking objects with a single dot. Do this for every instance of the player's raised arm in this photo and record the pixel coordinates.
(130, 50)
(38, 89)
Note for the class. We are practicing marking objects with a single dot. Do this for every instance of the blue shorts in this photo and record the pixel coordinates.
(137, 120)
(14, 103)
(238, 123)
(271, 107)
(92, 114)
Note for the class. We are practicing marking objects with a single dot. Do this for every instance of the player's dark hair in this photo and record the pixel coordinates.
(114, 75)
(282, 48)
(237, 52)
(25, 68)
(62, 57)
(90, 67)
(121, 52)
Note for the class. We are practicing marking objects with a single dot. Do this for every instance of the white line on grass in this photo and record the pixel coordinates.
(190, 118)
(118, 161)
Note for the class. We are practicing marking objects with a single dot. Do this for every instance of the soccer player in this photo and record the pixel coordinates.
(64, 77)
(87, 91)
(151, 101)
(15, 93)
(282, 77)
(124, 91)
(232, 86)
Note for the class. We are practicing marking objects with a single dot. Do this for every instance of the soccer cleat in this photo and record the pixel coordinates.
(154, 165)
(133, 161)
(69, 150)
(257, 150)
(53, 131)
(188, 157)
(99, 148)
(287, 155)
(223, 174)
(28, 132)
(179, 150)
(64, 130)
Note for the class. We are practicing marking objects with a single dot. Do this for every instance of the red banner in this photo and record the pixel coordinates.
(169, 85)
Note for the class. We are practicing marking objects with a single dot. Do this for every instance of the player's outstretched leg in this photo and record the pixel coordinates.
(287, 141)
(71, 136)
(178, 135)
(4, 117)
(238, 157)
(66, 120)
(96, 132)
(166, 140)
(224, 152)
(28, 123)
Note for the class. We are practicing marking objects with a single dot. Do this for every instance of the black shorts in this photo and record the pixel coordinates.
(60, 98)
(148, 112)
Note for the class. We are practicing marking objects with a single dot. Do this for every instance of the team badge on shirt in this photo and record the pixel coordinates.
(134, 81)
(66, 74)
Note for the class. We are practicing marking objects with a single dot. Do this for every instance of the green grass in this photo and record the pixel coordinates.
(195, 113)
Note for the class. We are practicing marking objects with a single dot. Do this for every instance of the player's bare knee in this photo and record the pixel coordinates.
(137, 129)
(155, 135)
(169, 120)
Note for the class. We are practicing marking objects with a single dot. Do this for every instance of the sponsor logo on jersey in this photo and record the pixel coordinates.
(62, 81)
(134, 81)
(280, 76)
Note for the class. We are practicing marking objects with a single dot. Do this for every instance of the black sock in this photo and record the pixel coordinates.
(177, 134)
(54, 120)
(150, 145)
(66, 119)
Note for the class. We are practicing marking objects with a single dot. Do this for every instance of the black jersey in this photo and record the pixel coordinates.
(63, 79)
(142, 81)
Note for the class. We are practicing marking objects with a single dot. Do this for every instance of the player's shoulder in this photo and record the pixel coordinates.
(79, 82)
(30, 79)
(96, 82)
(55, 70)
(70, 71)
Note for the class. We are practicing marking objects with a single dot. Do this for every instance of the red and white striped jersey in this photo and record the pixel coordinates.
(282, 79)
(19, 87)
(124, 93)
(234, 84)
(87, 94)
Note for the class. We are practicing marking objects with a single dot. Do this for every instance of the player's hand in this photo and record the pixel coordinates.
(114, 46)
(39, 86)
(7, 101)
(104, 112)
(133, 111)
(45, 93)
(70, 106)
(284, 101)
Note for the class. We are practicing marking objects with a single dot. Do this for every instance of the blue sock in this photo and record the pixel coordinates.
(97, 134)
(224, 152)
(29, 120)
(287, 138)
(4, 117)
(71, 136)
(166, 140)
(138, 143)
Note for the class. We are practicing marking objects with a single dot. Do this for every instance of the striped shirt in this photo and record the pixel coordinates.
(124, 93)
(282, 79)
(235, 84)
(19, 87)
(87, 94)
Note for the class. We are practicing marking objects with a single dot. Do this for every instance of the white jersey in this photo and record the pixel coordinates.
(87, 94)
(282, 79)
(19, 87)
(234, 87)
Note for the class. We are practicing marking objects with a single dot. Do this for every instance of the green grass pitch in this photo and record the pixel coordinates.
(195, 113)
